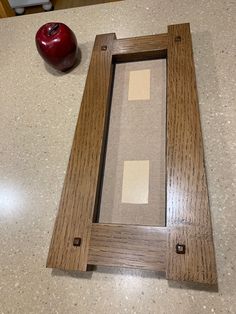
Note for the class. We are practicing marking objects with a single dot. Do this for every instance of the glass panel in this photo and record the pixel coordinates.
(133, 190)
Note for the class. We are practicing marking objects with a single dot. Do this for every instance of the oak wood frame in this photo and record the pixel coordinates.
(78, 240)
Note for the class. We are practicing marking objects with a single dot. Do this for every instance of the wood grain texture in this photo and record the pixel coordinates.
(65, 4)
(188, 214)
(5, 9)
(140, 48)
(80, 189)
(128, 246)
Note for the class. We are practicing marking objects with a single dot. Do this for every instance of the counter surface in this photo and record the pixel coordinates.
(38, 113)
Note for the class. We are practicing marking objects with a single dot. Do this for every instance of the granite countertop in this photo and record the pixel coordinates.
(38, 113)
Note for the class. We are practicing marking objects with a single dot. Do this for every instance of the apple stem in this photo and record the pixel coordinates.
(52, 30)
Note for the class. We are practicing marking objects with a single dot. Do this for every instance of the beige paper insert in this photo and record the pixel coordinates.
(135, 182)
(139, 85)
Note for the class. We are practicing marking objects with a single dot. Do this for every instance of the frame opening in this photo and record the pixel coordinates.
(133, 187)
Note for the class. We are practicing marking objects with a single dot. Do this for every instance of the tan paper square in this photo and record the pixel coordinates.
(139, 85)
(135, 185)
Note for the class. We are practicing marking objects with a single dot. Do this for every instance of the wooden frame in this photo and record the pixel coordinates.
(184, 249)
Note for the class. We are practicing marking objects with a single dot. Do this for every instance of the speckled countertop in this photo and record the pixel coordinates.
(38, 113)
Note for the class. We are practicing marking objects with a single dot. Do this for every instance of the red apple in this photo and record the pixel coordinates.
(57, 45)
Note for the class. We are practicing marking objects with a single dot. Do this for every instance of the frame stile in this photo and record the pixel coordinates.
(79, 195)
(188, 213)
